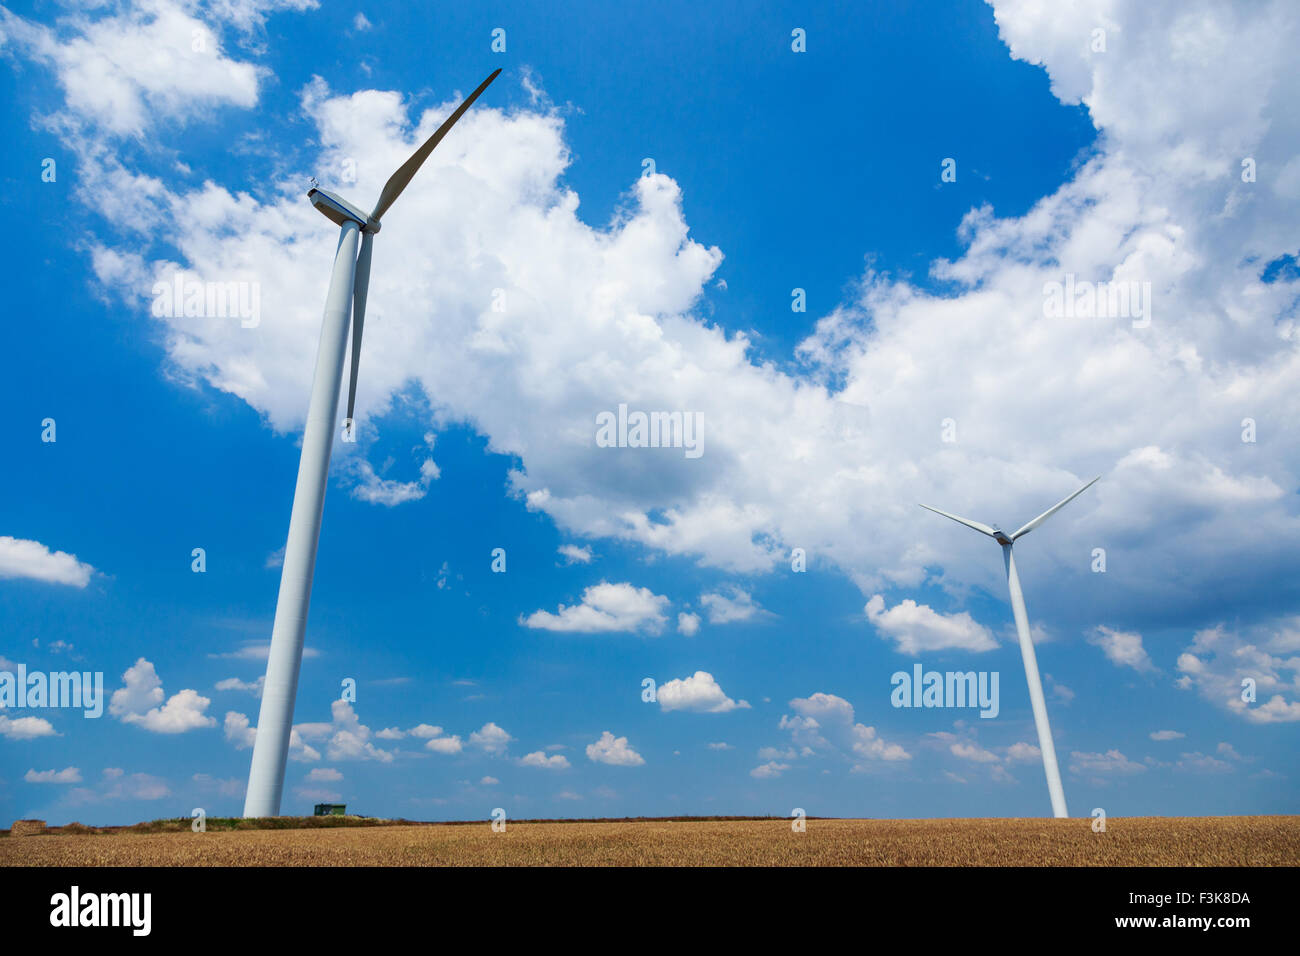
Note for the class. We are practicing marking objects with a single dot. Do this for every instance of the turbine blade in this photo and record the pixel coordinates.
(1053, 510)
(360, 287)
(981, 528)
(397, 182)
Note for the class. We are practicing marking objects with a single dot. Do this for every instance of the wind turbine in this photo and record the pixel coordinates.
(1045, 744)
(349, 283)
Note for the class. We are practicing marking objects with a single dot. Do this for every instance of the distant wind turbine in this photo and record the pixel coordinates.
(1045, 744)
(349, 282)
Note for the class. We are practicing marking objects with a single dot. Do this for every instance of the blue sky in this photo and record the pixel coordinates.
(773, 170)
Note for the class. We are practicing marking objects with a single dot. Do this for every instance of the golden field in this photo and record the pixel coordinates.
(1139, 841)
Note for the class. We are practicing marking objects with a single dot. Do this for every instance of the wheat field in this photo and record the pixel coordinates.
(1141, 841)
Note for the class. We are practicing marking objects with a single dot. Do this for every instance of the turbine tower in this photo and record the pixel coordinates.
(1045, 744)
(349, 283)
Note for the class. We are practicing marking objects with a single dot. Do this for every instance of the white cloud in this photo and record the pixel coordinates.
(250, 687)
(360, 23)
(1185, 92)
(490, 738)
(970, 751)
(699, 693)
(26, 728)
(606, 607)
(735, 605)
(918, 628)
(769, 770)
(376, 490)
(127, 71)
(239, 731)
(826, 722)
(688, 623)
(1226, 749)
(34, 561)
(1110, 762)
(720, 745)
(141, 702)
(1198, 762)
(573, 554)
(613, 751)
(67, 775)
(324, 775)
(445, 745)
(1123, 648)
(489, 782)
(350, 739)
(425, 731)
(539, 759)
(1218, 661)
(1022, 752)
(1166, 735)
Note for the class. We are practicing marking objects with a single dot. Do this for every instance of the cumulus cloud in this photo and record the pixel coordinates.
(606, 607)
(734, 605)
(34, 561)
(25, 728)
(573, 554)
(141, 702)
(699, 693)
(240, 732)
(377, 490)
(490, 738)
(970, 751)
(917, 628)
(127, 71)
(539, 759)
(450, 744)
(1219, 662)
(1187, 90)
(688, 623)
(769, 770)
(67, 775)
(345, 736)
(825, 722)
(1122, 648)
(614, 751)
(1112, 762)
(250, 687)
(1197, 762)
(1166, 735)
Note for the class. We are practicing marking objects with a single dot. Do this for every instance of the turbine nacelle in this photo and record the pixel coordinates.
(338, 210)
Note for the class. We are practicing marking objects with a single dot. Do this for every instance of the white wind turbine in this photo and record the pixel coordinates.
(349, 283)
(1045, 744)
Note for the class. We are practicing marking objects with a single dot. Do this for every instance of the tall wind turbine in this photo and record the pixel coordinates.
(1045, 744)
(349, 282)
